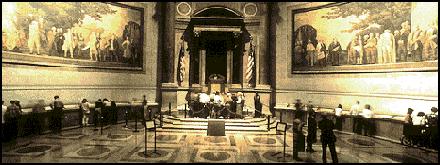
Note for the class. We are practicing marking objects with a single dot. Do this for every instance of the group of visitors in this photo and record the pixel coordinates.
(326, 126)
(221, 105)
(422, 129)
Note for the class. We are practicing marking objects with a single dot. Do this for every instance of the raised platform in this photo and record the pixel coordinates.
(248, 124)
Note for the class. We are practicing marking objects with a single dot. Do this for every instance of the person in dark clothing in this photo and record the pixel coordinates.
(97, 112)
(57, 115)
(233, 106)
(407, 126)
(433, 128)
(328, 138)
(114, 111)
(11, 121)
(37, 117)
(311, 130)
(298, 143)
(299, 109)
(258, 105)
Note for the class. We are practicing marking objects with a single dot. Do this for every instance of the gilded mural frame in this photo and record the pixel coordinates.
(416, 66)
(44, 59)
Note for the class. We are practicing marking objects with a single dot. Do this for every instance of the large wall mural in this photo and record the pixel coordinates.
(79, 34)
(363, 33)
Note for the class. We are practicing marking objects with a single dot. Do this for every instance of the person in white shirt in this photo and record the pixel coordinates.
(420, 119)
(338, 114)
(204, 98)
(368, 124)
(86, 112)
(354, 110)
(4, 108)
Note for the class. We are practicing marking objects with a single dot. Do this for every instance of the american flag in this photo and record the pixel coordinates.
(250, 71)
(181, 66)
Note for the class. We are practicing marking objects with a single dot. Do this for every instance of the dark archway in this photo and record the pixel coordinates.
(220, 19)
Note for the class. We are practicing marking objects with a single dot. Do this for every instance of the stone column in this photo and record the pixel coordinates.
(169, 74)
(229, 66)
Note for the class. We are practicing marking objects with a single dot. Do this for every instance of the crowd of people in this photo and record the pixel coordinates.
(402, 45)
(220, 105)
(104, 113)
(76, 42)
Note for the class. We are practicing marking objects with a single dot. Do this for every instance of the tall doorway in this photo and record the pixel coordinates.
(216, 58)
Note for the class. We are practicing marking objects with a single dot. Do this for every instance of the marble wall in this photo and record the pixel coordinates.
(386, 92)
(30, 83)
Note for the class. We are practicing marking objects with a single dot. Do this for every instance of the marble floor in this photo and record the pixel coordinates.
(119, 145)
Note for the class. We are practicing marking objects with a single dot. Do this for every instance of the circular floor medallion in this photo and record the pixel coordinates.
(361, 142)
(39, 148)
(118, 136)
(166, 137)
(402, 158)
(152, 154)
(216, 139)
(264, 140)
(277, 156)
(215, 156)
(91, 151)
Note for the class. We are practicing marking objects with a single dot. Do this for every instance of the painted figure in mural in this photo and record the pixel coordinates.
(430, 42)
(370, 49)
(81, 45)
(68, 43)
(396, 47)
(415, 44)
(59, 40)
(299, 51)
(34, 37)
(359, 50)
(311, 51)
(42, 32)
(334, 50)
(113, 48)
(379, 49)
(51, 46)
(365, 58)
(92, 46)
(103, 43)
(126, 46)
(387, 47)
(351, 52)
(321, 54)
(402, 42)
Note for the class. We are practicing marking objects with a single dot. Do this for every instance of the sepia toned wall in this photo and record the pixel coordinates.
(30, 83)
(387, 93)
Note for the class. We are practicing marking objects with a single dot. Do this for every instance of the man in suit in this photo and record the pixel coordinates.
(57, 115)
(113, 48)
(328, 138)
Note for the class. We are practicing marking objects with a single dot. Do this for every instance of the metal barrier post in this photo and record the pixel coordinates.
(185, 111)
(169, 108)
(268, 122)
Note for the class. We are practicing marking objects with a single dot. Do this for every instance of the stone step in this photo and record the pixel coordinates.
(227, 128)
(226, 124)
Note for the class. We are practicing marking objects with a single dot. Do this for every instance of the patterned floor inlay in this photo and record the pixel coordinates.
(213, 155)
(73, 136)
(402, 158)
(31, 149)
(265, 140)
(113, 137)
(93, 152)
(162, 154)
(214, 140)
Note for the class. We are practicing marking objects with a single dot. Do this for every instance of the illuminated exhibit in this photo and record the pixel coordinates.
(220, 82)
